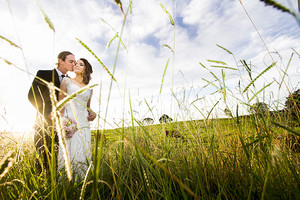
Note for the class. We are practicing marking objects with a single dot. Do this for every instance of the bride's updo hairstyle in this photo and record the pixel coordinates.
(87, 71)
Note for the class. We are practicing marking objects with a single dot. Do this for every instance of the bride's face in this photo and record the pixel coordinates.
(79, 67)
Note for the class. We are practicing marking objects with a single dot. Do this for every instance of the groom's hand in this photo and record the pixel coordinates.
(91, 116)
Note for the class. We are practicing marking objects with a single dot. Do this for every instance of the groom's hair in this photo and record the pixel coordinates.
(62, 55)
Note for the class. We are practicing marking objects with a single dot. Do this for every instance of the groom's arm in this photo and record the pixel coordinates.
(38, 94)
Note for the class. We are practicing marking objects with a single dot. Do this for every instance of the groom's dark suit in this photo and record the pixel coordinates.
(39, 97)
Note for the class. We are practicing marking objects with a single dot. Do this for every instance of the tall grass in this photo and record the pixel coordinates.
(239, 157)
(222, 158)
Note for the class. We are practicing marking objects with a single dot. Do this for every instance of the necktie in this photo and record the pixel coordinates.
(62, 77)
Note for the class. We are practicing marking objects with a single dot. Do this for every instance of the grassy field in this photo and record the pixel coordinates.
(234, 158)
(239, 157)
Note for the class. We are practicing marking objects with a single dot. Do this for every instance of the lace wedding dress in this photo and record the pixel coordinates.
(79, 145)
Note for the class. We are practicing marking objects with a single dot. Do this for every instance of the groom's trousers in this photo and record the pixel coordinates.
(43, 144)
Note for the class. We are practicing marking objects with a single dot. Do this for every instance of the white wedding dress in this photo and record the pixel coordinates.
(79, 145)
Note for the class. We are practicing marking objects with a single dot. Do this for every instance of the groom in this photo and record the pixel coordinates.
(39, 97)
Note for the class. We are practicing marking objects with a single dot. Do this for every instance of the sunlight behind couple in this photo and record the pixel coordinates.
(19, 116)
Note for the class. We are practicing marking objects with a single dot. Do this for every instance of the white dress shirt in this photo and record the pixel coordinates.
(59, 74)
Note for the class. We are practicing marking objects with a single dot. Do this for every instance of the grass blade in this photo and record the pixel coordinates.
(202, 65)
(85, 182)
(10, 42)
(116, 35)
(111, 40)
(102, 64)
(5, 164)
(286, 128)
(217, 61)
(224, 67)
(150, 109)
(170, 17)
(224, 86)
(210, 83)
(62, 140)
(285, 72)
(162, 81)
(46, 17)
(170, 174)
(225, 49)
(278, 6)
(119, 3)
(252, 82)
(68, 98)
(165, 45)
(260, 91)
(212, 109)
(7, 62)
(248, 69)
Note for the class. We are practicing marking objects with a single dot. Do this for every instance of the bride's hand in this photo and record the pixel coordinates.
(91, 116)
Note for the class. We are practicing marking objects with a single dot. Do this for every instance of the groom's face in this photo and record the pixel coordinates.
(69, 63)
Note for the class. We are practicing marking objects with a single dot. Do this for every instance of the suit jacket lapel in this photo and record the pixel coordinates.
(56, 78)
(56, 82)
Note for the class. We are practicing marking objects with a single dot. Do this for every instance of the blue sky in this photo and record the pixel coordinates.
(200, 27)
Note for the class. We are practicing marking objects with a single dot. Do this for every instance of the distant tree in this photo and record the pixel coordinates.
(292, 109)
(165, 119)
(227, 112)
(173, 133)
(292, 105)
(260, 107)
(148, 121)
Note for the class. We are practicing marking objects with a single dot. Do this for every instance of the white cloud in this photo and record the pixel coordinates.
(200, 26)
(147, 19)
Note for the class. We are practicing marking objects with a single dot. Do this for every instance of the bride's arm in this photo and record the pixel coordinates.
(61, 95)
(92, 115)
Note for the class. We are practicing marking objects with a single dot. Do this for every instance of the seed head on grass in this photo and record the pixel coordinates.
(6, 163)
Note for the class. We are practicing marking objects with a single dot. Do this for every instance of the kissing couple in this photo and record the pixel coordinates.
(75, 114)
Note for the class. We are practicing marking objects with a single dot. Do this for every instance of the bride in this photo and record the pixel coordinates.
(78, 146)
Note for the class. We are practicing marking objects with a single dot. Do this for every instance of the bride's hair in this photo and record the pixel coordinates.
(87, 71)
